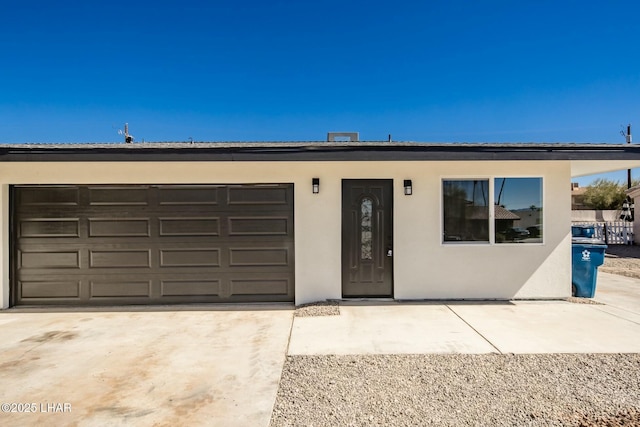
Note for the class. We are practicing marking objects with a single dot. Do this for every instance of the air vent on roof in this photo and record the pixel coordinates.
(352, 136)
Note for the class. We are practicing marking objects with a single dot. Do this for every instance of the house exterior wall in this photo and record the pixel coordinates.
(424, 267)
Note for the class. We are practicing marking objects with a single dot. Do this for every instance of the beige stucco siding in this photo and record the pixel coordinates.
(424, 268)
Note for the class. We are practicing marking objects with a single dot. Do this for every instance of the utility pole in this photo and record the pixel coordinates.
(628, 136)
(627, 206)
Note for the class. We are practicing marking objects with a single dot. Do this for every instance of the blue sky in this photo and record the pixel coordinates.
(433, 71)
(519, 193)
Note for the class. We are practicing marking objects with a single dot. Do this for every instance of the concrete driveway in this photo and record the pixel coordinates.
(142, 366)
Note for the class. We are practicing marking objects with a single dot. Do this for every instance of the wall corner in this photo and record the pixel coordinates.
(4, 239)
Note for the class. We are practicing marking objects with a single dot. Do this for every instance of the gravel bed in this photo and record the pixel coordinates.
(321, 308)
(458, 390)
(580, 300)
(623, 260)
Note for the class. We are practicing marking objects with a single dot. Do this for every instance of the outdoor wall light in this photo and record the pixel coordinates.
(315, 185)
(408, 187)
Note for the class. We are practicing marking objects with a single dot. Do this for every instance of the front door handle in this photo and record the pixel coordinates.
(389, 252)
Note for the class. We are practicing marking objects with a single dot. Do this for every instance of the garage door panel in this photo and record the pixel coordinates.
(49, 227)
(119, 288)
(188, 196)
(49, 196)
(118, 196)
(40, 260)
(119, 227)
(259, 286)
(208, 257)
(259, 226)
(259, 195)
(168, 292)
(50, 289)
(244, 257)
(119, 258)
(146, 244)
(104, 258)
(195, 226)
(193, 287)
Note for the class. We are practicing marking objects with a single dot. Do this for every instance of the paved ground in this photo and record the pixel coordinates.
(391, 328)
(147, 368)
(221, 366)
(473, 328)
(618, 291)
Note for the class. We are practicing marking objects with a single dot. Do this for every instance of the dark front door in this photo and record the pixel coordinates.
(367, 238)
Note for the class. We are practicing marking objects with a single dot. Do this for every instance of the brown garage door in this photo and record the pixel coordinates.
(152, 244)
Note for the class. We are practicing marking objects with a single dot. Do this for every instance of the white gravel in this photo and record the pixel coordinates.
(577, 300)
(321, 308)
(459, 390)
(623, 260)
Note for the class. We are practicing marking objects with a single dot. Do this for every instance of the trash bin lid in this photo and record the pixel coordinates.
(583, 231)
(588, 241)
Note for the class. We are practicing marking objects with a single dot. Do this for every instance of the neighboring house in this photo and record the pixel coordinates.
(581, 213)
(591, 215)
(158, 223)
(577, 197)
(504, 223)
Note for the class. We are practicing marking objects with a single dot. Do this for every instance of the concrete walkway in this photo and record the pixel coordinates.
(618, 291)
(480, 327)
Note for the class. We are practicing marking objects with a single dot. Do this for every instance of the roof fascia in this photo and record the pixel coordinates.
(319, 152)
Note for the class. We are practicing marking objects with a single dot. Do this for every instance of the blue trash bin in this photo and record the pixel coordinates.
(587, 256)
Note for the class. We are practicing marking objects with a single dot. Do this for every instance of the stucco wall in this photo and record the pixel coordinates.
(424, 268)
